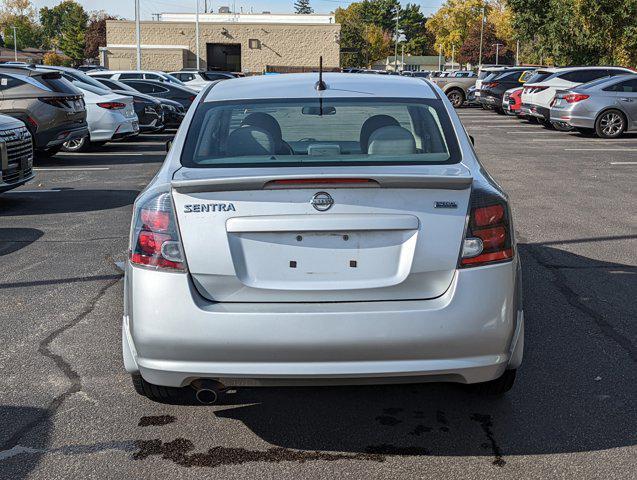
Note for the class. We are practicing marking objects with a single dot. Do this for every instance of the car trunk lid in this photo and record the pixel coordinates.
(260, 238)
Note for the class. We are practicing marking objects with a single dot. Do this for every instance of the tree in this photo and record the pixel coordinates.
(52, 58)
(378, 44)
(96, 33)
(413, 25)
(303, 7)
(453, 21)
(470, 50)
(20, 14)
(53, 19)
(73, 32)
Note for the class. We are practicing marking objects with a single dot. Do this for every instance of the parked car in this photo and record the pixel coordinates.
(484, 72)
(421, 74)
(92, 68)
(148, 109)
(493, 86)
(198, 79)
(137, 75)
(110, 116)
(540, 89)
(16, 153)
(172, 113)
(50, 106)
(512, 101)
(183, 95)
(316, 276)
(456, 85)
(606, 107)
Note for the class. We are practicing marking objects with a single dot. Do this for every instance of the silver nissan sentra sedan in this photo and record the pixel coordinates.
(321, 231)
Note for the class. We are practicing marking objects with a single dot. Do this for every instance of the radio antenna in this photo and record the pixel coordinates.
(320, 85)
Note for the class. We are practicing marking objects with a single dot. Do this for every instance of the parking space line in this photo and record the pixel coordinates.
(600, 149)
(69, 169)
(13, 192)
(623, 163)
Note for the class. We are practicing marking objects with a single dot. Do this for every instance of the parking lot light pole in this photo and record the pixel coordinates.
(497, 51)
(439, 57)
(15, 44)
(396, 41)
(197, 35)
(481, 35)
(138, 36)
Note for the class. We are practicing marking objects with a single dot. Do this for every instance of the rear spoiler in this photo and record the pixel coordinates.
(225, 184)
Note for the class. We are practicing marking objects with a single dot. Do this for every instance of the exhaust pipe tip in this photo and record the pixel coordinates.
(207, 396)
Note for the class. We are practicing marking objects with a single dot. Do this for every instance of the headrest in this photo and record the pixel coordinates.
(392, 140)
(370, 125)
(247, 140)
(264, 121)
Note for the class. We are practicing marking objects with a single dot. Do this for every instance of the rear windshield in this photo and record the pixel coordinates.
(308, 132)
(58, 84)
(538, 77)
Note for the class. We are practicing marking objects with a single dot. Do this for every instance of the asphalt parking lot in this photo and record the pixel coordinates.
(67, 408)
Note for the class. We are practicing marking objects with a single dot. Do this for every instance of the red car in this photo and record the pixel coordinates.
(512, 101)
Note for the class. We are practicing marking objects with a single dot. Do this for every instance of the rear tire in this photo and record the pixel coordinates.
(499, 386)
(610, 124)
(157, 393)
(456, 97)
(76, 145)
(546, 124)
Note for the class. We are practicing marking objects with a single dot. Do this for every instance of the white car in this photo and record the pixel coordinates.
(199, 79)
(321, 232)
(137, 75)
(110, 116)
(540, 89)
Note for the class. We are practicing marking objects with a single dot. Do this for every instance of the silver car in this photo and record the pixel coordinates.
(326, 232)
(606, 107)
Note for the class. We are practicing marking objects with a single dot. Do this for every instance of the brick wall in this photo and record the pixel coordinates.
(281, 44)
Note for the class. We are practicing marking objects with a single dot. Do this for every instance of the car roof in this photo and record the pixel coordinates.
(597, 67)
(134, 71)
(303, 85)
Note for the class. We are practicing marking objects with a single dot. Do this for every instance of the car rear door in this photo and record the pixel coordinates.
(626, 97)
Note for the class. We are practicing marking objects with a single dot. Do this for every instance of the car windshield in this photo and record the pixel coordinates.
(309, 132)
(91, 88)
(84, 78)
(526, 75)
(172, 79)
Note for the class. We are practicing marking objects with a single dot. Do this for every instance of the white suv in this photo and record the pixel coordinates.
(540, 89)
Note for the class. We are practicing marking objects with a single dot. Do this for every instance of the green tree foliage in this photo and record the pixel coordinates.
(20, 13)
(73, 31)
(372, 44)
(303, 7)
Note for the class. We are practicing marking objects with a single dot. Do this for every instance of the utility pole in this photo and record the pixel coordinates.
(15, 44)
(481, 35)
(497, 51)
(517, 53)
(138, 36)
(440, 57)
(453, 56)
(402, 57)
(396, 42)
(197, 35)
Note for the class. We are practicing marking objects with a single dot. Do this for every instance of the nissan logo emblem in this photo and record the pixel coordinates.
(322, 201)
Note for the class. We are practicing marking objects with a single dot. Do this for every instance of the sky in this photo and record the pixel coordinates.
(126, 8)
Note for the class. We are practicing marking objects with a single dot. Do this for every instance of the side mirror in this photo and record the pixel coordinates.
(473, 140)
(169, 144)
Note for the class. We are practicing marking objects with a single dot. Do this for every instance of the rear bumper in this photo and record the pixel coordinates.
(535, 111)
(56, 136)
(171, 335)
(572, 118)
(115, 127)
(490, 100)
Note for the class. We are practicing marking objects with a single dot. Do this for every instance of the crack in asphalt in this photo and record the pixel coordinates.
(44, 349)
(486, 423)
(560, 281)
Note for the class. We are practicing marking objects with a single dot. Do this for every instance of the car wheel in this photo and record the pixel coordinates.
(75, 145)
(456, 97)
(157, 393)
(610, 124)
(499, 386)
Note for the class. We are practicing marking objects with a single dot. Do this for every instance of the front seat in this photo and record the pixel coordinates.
(268, 123)
(249, 141)
(392, 140)
(374, 123)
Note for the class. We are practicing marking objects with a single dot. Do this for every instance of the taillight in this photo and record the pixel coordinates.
(112, 105)
(155, 238)
(490, 84)
(575, 97)
(489, 233)
(32, 122)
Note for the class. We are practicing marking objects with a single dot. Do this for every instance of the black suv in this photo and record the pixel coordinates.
(16, 154)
